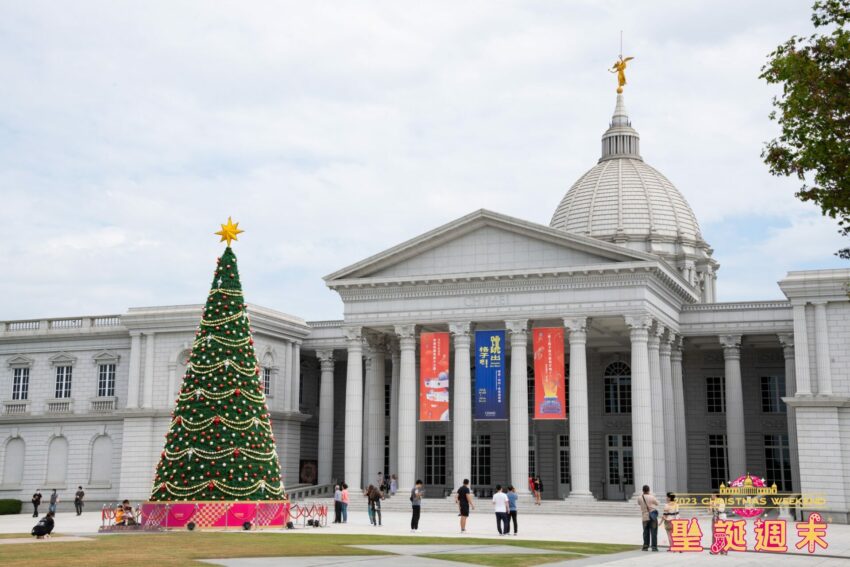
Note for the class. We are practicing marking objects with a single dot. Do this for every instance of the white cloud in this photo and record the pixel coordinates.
(334, 130)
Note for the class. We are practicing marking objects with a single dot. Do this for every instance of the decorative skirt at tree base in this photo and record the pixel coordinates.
(209, 514)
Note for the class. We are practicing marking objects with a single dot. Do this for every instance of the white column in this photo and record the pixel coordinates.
(787, 342)
(150, 347)
(296, 377)
(288, 403)
(375, 410)
(518, 330)
(135, 370)
(462, 412)
(407, 407)
(735, 439)
(579, 417)
(668, 414)
(801, 351)
(353, 407)
(641, 401)
(394, 385)
(659, 477)
(679, 415)
(326, 416)
(822, 349)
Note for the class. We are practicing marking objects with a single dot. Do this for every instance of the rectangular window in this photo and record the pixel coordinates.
(435, 460)
(564, 459)
(715, 394)
(772, 388)
(21, 383)
(532, 455)
(530, 388)
(618, 394)
(387, 399)
(105, 380)
(480, 460)
(267, 381)
(386, 457)
(777, 460)
(717, 460)
(63, 382)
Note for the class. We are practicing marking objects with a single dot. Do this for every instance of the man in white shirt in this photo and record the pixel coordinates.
(500, 505)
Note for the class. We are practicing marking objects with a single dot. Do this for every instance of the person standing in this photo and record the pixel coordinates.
(416, 494)
(464, 503)
(344, 498)
(380, 484)
(337, 504)
(538, 489)
(78, 500)
(512, 499)
(649, 515)
(500, 505)
(54, 500)
(375, 505)
(671, 512)
(370, 510)
(36, 502)
(531, 487)
(393, 485)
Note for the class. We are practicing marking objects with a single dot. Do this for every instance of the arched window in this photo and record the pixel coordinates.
(101, 461)
(13, 463)
(618, 388)
(57, 461)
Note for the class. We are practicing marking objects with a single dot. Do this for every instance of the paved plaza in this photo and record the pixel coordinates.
(541, 527)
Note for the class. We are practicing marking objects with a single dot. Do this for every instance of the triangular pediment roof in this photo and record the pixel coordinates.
(20, 360)
(505, 244)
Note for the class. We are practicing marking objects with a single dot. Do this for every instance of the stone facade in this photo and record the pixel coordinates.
(666, 386)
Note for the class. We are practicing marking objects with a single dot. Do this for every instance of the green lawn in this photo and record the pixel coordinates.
(175, 549)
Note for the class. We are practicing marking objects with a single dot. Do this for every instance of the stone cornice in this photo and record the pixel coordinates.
(809, 285)
(738, 306)
(818, 400)
(519, 281)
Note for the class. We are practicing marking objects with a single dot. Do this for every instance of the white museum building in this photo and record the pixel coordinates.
(665, 386)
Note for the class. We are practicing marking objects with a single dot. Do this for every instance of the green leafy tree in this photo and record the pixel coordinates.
(814, 112)
(220, 444)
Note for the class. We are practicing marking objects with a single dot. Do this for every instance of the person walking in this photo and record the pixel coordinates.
(54, 500)
(464, 503)
(370, 510)
(649, 515)
(36, 502)
(337, 504)
(78, 500)
(671, 512)
(538, 489)
(512, 499)
(416, 494)
(500, 506)
(375, 498)
(344, 499)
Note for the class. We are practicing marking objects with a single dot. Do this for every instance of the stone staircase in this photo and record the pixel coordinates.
(400, 503)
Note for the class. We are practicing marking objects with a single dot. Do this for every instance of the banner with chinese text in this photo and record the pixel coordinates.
(549, 394)
(489, 395)
(434, 377)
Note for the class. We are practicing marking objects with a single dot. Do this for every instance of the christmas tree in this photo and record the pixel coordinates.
(220, 444)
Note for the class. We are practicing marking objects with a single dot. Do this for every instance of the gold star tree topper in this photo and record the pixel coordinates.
(229, 231)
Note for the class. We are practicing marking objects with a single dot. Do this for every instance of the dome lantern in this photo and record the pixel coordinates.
(620, 140)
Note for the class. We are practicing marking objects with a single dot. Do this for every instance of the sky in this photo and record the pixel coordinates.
(129, 131)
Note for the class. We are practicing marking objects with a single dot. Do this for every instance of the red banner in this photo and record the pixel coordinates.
(434, 377)
(549, 395)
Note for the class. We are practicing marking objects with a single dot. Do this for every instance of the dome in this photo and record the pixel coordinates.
(624, 200)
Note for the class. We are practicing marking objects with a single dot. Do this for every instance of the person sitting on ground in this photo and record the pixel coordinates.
(44, 527)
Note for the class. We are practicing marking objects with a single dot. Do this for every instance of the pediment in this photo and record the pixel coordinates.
(106, 357)
(487, 243)
(62, 359)
(20, 360)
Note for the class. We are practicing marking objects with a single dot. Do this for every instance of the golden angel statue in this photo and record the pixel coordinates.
(620, 68)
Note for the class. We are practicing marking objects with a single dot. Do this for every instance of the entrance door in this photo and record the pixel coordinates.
(563, 466)
(620, 482)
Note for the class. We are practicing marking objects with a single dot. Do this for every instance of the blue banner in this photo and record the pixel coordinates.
(490, 375)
